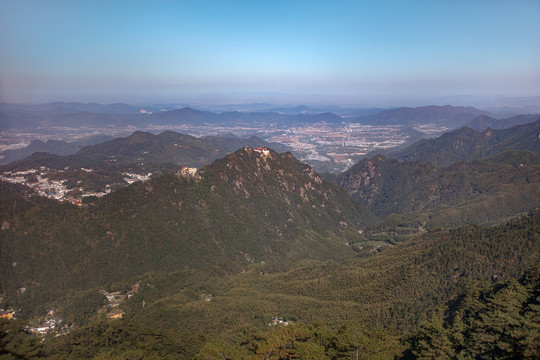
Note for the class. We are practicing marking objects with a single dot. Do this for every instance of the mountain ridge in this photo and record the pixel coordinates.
(448, 115)
(467, 144)
(483, 122)
(447, 196)
(248, 207)
(18, 116)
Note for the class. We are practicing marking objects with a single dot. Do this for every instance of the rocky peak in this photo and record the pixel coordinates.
(264, 171)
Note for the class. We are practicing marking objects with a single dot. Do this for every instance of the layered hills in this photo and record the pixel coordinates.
(24, 117)
(96, 168)
(484, 191)
(449, 116)
(168, 147)
(145, 147)
(14, 116)
(454, 279)
(56, 147)
(467, 144)
(461, 177)
(395, 288)
(249, 207)
(483, 122)
(71, 107)
(211, 258)
(232, 143)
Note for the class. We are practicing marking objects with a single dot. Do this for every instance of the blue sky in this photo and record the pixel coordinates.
(235, 51)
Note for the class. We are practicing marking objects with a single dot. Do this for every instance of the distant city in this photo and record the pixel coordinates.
(339, 145)
(330, 142)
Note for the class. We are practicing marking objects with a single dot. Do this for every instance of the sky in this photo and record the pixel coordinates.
(348, 52)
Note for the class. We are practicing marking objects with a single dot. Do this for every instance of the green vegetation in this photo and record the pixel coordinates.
(500, 322)
(140, 153)
(417, 194)
(392, 288)
(99, 340)
(466, 144)
(244, 209)
(452, 289)
(209, 261)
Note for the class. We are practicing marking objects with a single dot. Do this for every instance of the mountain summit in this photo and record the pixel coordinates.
(264, 177)
(252, 206)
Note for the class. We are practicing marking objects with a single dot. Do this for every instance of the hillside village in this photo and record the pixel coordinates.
(40, 182)
(52, 324)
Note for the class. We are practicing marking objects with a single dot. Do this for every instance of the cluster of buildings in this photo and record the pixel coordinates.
(116, 314)
(7, 314)
(262, 150)
(132, 177)
(276, 320)
(50, 326)
(187, 172)
(39, 182)
(115, 299)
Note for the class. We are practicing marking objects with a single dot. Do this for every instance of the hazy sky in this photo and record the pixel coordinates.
(328, 51)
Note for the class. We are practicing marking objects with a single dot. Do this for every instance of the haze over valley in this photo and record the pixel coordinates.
(223, 180)
(325, 140)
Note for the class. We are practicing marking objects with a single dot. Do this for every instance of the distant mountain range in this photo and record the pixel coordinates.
(13, 116)
(71, 107)
(94, 115)
(449, 116)
(483, 122)
(233, 143)
(307, 110)
(56, 147)
(141, 147)
(192, 116)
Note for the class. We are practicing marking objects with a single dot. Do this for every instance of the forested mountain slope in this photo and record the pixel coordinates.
(98, 168)
(144, 147)
(249, 207)
(484, 191)
(216, 254)
(466, 144)
(336, 309)
(500, 321)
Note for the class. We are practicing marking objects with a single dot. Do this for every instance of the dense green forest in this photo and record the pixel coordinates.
(436, 294)
(257, 257)
(244, 209)
(466, 144)
(485, 191)
(501, 321)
